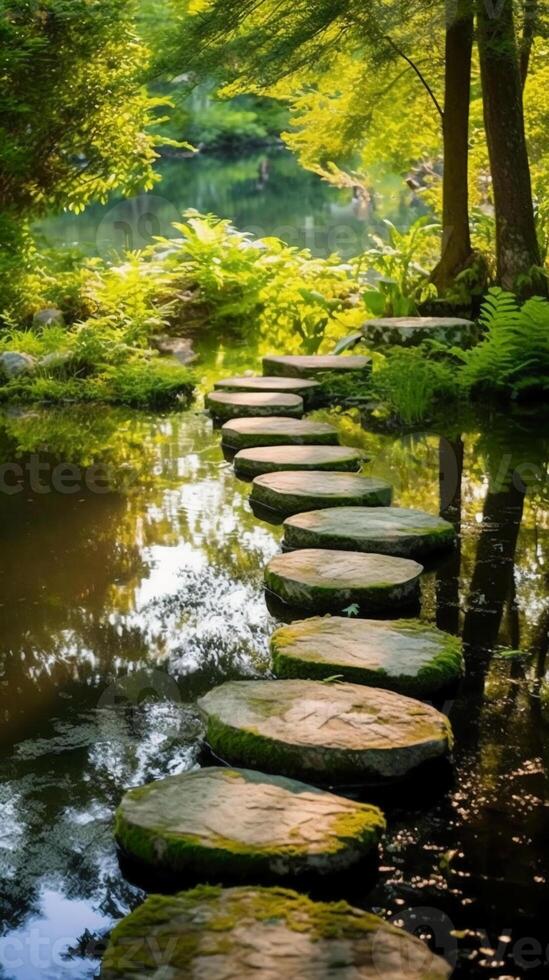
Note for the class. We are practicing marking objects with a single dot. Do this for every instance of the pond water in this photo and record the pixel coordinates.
(292, 204)
(129, 589)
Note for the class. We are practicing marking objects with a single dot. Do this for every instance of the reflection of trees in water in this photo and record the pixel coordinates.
(73, 569)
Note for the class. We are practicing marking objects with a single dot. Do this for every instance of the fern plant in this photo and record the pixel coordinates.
(513, 357)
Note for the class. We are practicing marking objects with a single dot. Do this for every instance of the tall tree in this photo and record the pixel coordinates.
(456, 238)
(516, 240)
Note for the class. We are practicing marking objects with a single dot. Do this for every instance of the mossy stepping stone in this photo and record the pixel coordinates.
(241, 404)
(292, 386)
(213, 933)
(277, 431)
(329, 581)
(291, 492)
(218, 822)
(336, 733)
(381, 530)
(410, 331)
(404, 655)
(305, 366)
(268, 459)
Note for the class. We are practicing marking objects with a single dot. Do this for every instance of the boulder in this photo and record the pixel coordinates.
(256, 933)
(249, 463)
(331, 733)
(329, 581)
(305, 366)
(219, 822)
(227, 405)
(56, 362)
(13, 364)
(277, 431)
(401, 531)
(48, 318)
(293, 491)
(403, 655)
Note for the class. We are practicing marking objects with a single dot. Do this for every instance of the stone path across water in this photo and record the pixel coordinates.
(322, 580)
(333, 733)
(410, 331)
(227, 405)
(268, 459)
(406, 655)
(290, 492)
(262, 934)
(399, 531)
(310, 366)
(294, 386)
(277, 431)
(237, 823)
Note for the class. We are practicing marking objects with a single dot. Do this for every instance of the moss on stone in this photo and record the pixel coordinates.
(159, 832)
(334, 593)
(442, 670)
(167, 934)
(379, 530)
(349, 752)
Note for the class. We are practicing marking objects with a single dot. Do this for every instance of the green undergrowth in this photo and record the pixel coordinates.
(140, 384)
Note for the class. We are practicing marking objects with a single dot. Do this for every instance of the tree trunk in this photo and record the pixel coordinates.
(529, 24)
(456, 239)
(516, 242)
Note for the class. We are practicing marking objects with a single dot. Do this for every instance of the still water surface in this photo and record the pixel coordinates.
(118, 609)
(292, 204)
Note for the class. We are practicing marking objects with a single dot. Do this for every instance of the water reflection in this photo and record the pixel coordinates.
(160, 579)
(293, 204)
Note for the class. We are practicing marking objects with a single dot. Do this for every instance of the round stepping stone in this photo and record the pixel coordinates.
(405, 655)
(337, 733)
(410, 331)
(277, 431)
(254, 933)
(228, 405)
(268, 459)
(329, 581)
(219, 821)
(305, 366)
(381, 530)
(291, 492)
(293, 386)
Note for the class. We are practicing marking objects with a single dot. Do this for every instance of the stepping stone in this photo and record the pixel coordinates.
(329, 581)
(219, 822)
(404, 655)
(268, 459)
(228, 405)
(213, 933)
(410, 331)
(292, 492)
(304, 366)
(292, 386)
(381, 530)
(277, 431)
(337, 733)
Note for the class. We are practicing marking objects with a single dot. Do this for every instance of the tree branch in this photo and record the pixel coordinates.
(423, 81)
